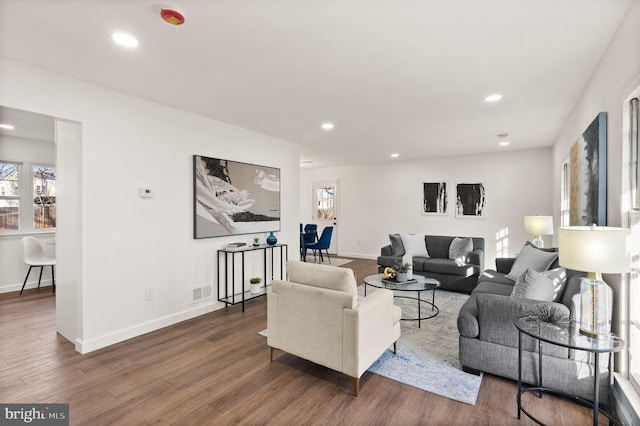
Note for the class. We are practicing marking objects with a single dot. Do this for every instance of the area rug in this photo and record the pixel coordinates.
(427, 357)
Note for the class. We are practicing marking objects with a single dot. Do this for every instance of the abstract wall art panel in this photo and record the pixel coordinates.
(232, 198)
(434, 198)
(588, 175)
(470, 201)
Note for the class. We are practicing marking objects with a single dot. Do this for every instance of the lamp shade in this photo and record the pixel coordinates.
(598, 249)
(538, 225)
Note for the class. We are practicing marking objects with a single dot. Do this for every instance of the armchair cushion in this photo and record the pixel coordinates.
(324, 276)
(533, 285)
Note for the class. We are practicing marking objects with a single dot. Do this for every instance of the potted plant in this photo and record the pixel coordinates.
(255, 284)
(256, 241)
(401, 268)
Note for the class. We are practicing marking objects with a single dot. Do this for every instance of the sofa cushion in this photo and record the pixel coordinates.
(491, 287)
(533, 285)
(460, 248)
(448, 266)
(414, 245)
(495, 276)
(397, 249)
(388, 260)
(531, 258)
(418, 263)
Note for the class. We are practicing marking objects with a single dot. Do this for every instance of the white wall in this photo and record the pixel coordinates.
(12, 269)
(130, 243)
(379, 199)
(615, 78)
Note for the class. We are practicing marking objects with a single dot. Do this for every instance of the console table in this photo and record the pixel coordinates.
(566, 335)
(235, 298)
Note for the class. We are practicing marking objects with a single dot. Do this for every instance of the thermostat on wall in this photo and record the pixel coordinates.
(146, 192)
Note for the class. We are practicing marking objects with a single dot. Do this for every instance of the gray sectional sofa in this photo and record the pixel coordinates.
(457, 272)
(489, 339)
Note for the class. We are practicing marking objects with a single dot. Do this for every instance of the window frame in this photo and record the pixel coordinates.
(26, 182)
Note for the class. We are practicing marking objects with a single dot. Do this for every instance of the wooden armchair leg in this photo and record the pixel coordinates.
(356, 386)
(395, 347)
(271, 355)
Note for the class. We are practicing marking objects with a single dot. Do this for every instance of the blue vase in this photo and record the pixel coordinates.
(271, 239)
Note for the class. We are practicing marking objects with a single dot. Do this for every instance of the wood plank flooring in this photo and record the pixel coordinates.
(215, 370)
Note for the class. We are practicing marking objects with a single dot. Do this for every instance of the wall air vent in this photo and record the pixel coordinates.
(199, 293)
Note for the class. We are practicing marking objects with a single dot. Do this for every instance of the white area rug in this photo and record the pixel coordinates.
(427, 357)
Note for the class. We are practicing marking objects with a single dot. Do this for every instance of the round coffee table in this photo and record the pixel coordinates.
(418, 284)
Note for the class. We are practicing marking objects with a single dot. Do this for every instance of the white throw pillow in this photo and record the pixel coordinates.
(460, 248)
(414, 245)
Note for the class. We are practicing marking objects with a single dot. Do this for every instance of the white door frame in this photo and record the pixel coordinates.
(333, 221)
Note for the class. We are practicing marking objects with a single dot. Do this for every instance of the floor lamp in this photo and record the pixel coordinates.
(596, 250)
(538, 226)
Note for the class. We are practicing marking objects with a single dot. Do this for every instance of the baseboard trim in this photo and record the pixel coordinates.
(626, 401)
(30, 284)
(92, 344)
(358, 255)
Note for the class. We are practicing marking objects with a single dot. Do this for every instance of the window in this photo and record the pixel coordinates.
(22, 209)
(9, 196)
(44, 196)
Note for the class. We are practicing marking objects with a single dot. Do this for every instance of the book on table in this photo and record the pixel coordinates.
(235, 246)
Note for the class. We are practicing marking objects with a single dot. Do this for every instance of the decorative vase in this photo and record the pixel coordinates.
(256, 243)
(401, 277)
(271, 239)
(408, 259)
(255, 288)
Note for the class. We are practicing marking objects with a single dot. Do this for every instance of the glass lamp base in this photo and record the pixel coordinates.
(595, 308)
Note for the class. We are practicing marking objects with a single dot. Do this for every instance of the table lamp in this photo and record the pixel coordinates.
(538, 226)
(596, 250)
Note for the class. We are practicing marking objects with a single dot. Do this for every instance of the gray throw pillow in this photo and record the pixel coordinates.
(533, 285)
(397, 249)
(460, 248)
(531, 258)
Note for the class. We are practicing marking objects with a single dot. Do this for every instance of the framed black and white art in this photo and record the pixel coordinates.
(434, 198)
(470, 201)
(232, 198)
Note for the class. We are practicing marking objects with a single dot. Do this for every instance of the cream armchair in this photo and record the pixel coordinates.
(317, 315)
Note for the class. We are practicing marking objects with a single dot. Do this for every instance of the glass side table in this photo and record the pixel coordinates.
(566, 335)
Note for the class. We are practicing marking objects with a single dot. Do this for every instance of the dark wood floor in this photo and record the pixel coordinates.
(215, 370)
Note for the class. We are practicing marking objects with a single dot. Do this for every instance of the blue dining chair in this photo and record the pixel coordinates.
(323, 243)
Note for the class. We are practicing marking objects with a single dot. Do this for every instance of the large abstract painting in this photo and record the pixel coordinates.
(588, 175)
(470, 200)
(232, 198)
(434, 198)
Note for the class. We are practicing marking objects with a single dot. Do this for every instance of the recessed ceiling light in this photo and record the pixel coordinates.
(504, 143)
(493, 98)
(125, 40)
(6, 126)
(395, 155)
(327, 126)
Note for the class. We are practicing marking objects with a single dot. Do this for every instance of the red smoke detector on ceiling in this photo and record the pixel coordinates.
(172, 16)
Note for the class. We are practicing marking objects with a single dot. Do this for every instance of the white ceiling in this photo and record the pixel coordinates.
(393, 76)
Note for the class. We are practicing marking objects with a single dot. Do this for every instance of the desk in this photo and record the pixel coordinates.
(566, 335)
(235, 298)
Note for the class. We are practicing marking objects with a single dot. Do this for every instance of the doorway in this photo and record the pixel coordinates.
(326, 209)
